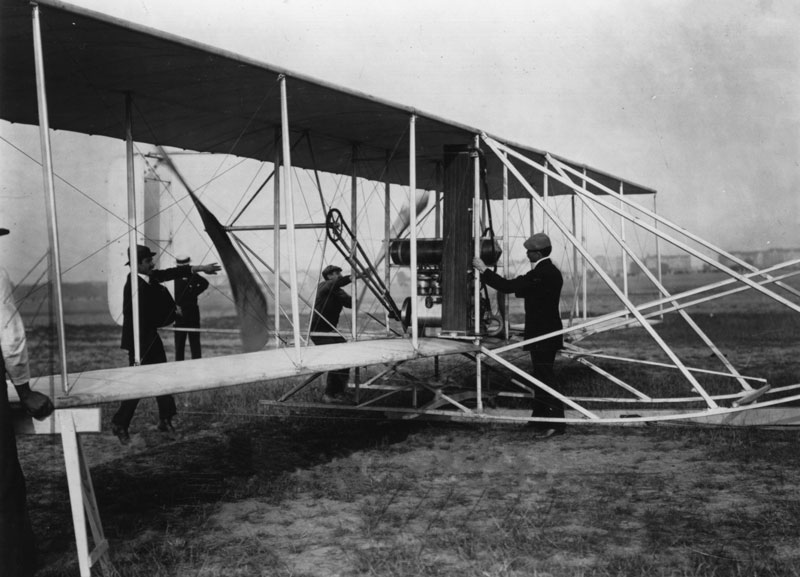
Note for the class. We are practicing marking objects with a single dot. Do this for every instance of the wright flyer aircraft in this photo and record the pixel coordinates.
(405, 200)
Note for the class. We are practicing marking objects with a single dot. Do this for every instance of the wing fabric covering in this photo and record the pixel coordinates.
(251, 304)
(200, 97)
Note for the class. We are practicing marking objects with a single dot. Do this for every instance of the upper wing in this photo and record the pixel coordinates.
(199, 97)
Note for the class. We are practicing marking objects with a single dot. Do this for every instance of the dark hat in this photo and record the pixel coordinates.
(142, 252)
(4, 231)
(537, 242)
(183, 259)
(330, 269)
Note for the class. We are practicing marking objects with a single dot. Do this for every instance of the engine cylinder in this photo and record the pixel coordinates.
(429, 312)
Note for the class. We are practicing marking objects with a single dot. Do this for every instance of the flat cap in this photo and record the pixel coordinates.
(330, 269)
(537, 242)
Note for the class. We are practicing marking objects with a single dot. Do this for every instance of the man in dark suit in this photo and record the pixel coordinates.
(328, 305)
(187, 289)
(156, 309)
(541, 289)
(17, 544)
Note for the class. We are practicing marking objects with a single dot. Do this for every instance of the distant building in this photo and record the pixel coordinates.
(761, 258)
(670, 263)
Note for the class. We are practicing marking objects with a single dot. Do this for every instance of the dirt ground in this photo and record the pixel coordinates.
(326, 497)
(237, 492)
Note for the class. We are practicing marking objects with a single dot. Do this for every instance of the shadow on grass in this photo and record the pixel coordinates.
(172, 487)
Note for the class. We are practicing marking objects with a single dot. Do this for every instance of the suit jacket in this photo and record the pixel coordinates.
(187, 289)
(541, 289)
(328, 305)
(150, 318)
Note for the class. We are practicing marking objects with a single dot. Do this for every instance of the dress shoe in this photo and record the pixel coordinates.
(165, 426)
(121, 434)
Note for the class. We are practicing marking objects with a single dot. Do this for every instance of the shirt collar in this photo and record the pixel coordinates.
(538, 262)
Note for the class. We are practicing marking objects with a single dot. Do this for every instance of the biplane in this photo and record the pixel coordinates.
(406, 199)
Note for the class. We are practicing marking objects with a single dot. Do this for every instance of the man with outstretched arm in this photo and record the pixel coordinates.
(541, 289)
(156, 309)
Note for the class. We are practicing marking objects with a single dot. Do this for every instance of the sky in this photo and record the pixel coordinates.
(699, 100)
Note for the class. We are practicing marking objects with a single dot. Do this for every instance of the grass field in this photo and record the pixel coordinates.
(239, 492)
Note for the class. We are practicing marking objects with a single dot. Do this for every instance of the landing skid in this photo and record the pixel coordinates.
(459, 407)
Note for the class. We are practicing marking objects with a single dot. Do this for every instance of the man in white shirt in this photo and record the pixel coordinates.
(17, 546)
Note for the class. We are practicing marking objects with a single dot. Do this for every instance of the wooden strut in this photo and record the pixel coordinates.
(450, 405)
(662, 289)
(683, 246)
(752, 413)
(83, 504)
(660, 219)
(82, 499)
(609, 282)
(54, 254)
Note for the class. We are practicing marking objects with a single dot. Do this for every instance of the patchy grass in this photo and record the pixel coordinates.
(321, 498)
(235, 492)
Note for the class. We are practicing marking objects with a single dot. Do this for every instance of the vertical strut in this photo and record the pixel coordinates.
(276, 236)
(412, 207)
(50, 195)
(286, 185)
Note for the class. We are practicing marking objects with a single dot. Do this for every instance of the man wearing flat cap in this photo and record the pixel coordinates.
(541, 289)
(187, 289)
(17, 545)
(156, 309)
(328, 305)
